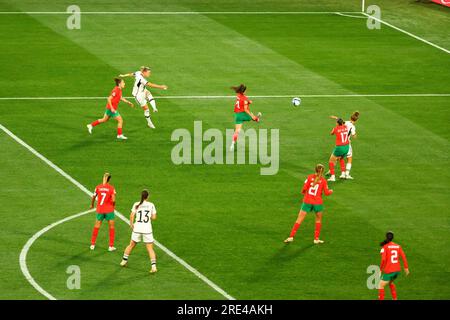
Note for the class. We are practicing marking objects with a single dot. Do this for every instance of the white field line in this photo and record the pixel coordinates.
(351, 15)
(175, 12)
(89, 193)
(27, 246)
(256, 96)
(407, 33)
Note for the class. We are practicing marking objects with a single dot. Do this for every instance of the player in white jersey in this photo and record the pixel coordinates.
(140, 92)
(350, 124)
(142, 214)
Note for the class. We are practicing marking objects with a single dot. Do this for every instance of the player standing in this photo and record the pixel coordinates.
(242, 112)
(142, 213)
(105, 210)
(350, 124)
(141, 94)
(342, 146)
(312, 190)
(390, 265)
(111, 109)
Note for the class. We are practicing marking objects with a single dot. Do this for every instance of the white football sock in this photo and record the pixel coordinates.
(152, 103)
(348, 167)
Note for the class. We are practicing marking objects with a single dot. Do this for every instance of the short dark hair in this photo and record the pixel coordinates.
(340, 121)
(118, 81)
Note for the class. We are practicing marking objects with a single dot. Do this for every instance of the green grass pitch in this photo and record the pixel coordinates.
(227, 221)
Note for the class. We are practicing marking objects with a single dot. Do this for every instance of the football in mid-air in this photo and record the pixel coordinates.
(296, 101)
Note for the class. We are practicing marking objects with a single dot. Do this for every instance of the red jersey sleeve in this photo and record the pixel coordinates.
(405, 262)
(325, 188)
(305, 186)
(383, 258)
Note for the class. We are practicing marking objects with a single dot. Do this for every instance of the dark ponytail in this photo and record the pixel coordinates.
(144, 196)
(340, 121)
(389, 238)
(240, 88)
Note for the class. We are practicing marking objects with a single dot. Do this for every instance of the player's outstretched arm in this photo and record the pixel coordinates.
(334, 117)
(127, 102)
(126, 75)
(157, 86)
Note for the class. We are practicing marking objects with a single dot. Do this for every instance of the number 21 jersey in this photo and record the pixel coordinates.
(143, 214)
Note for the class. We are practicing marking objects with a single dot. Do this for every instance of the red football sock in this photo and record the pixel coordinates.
(393, 291)
(119, 131)
(95, 123)
(94, 235)
(111, 237)
(235, 136)
(332, 164)
(380, 294)
(342, 163)
(294, 229)
(317, 231)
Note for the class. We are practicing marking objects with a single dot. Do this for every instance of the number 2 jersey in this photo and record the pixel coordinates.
(390, 254)
(105, 198)
(313, 192)
(143, 214)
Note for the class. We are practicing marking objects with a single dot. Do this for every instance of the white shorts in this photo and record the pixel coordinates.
(142, 98)
(145, 237)
(350, 152)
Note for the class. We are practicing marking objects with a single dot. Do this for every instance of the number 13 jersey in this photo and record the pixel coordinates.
(143, 214)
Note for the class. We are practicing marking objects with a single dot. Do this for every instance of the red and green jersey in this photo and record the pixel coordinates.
(105, 198)
(116, 94)
(313, 192)
(241, 101)
(390, 254)
(341, 133)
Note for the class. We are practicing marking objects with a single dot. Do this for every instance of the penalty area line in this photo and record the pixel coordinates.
(121, 216)
(27, 246)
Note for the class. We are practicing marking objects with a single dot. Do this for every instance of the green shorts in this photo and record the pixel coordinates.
(311, 207)
(105, 216)
(240, 117)
(390, 276)
(111, 114)
(341, 151)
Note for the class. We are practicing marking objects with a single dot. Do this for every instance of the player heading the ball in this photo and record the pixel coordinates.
(140, 92)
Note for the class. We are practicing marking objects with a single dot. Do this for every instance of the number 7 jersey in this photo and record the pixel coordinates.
(143, 214)
(105, 198)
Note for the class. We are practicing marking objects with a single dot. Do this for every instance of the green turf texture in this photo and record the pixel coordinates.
(226, 220)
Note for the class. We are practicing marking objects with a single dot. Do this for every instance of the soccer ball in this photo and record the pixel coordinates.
(296, 102)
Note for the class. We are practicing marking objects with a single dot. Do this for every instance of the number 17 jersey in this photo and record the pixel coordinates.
(142, 219)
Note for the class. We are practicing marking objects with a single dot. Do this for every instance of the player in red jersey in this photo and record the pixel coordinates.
(242, 112)
(390, 265)
(111, 109)
(342, 146)
(312, 190)
(105, 210)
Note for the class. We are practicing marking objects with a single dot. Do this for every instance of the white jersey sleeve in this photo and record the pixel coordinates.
(351, 128)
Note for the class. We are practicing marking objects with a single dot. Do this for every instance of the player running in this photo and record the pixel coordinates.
(342, 146)
(350, 124)
(111, 109)
(141, 94)
(242, 112)
(140, 222)
(390, 265)
(105, 210)
(312, 190)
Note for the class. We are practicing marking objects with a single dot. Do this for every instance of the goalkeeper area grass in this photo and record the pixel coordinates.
(221, 227)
